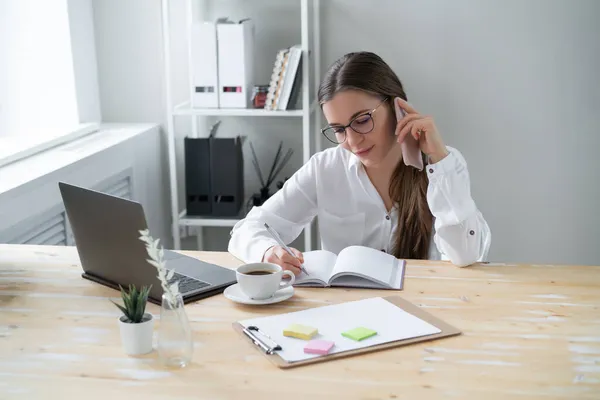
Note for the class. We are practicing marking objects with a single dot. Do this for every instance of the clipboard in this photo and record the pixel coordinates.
(268, 347)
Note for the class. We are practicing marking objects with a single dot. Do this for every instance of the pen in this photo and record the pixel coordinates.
(283, 245)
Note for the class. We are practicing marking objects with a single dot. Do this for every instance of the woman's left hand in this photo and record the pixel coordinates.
(423, 129)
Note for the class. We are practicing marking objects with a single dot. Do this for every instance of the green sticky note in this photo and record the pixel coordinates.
(359, 333)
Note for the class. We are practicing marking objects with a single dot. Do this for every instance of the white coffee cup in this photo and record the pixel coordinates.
(260, 281)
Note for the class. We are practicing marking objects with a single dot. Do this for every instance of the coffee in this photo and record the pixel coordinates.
(260, 272)
(260, 281)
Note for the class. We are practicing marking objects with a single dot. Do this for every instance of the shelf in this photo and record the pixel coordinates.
(189, 220)
(311, 62)
(185, 109)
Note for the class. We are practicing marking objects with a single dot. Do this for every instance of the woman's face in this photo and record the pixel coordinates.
(354, 105)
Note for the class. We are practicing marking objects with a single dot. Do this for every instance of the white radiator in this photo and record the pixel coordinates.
(48, 229)
(120, 160)
(52, 227)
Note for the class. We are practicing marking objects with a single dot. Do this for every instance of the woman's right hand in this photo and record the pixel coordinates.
(277, 255)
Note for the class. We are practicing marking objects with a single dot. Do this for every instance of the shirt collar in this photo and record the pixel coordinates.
(353, 161)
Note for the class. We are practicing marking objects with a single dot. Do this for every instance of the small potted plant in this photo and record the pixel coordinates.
(135, 324)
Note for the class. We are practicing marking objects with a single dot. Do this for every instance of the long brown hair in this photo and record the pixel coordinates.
(408, 187)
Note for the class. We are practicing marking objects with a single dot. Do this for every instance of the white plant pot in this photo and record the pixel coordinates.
(137, 338)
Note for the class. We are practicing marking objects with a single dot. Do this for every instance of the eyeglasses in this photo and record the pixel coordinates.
(362, 123)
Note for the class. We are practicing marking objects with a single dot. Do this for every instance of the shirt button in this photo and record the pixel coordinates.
(387, 217)
(471, 232)
(431, 170)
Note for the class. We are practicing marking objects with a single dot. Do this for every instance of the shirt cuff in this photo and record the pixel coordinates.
(446, 165)
(259, 248)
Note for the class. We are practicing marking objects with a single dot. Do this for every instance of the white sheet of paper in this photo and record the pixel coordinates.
(389, 321)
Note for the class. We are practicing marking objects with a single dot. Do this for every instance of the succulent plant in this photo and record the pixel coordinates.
(134, 301)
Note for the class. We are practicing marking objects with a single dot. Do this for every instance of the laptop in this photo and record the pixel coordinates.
(106, 232)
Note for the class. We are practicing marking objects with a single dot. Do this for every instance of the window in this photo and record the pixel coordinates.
(38, 86)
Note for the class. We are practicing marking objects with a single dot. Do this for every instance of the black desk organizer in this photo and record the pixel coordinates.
(214, 176)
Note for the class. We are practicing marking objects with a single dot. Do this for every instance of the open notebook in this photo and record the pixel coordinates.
(355, 266)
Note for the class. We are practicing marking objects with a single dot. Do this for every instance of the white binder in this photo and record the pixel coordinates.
(205, 84)
(235, 44)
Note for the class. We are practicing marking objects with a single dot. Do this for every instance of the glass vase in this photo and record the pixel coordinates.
(175, 343)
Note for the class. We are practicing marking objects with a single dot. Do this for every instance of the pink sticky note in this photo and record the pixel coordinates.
(318, 346)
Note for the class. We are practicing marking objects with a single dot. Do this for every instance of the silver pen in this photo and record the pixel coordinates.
(283, 245)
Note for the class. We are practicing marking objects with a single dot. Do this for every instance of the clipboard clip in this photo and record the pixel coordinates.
(269, 349)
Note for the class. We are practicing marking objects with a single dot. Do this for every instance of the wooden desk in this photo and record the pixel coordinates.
(529, 332)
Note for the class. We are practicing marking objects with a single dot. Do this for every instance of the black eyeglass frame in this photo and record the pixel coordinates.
(349, 125)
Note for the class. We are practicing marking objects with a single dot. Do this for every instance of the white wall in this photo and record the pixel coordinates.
(514, 86)
(511, 84)
(128, 45)
(129, 55)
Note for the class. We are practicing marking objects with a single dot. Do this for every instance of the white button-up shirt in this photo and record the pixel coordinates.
(334, 187)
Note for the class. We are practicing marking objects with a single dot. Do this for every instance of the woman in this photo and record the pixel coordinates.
(362, 191)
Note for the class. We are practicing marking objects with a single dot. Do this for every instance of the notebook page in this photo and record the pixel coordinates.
(351, 281)
(318, 264)
(390, 322)
(369, 262)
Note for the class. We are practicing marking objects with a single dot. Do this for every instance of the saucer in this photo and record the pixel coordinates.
(234, 293)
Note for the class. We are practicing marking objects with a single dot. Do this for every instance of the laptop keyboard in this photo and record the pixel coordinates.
(188, 284)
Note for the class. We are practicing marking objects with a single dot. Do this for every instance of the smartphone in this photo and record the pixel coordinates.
(411, 153)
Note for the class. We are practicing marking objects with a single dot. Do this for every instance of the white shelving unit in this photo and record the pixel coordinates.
(184, 109)
(310, 69)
